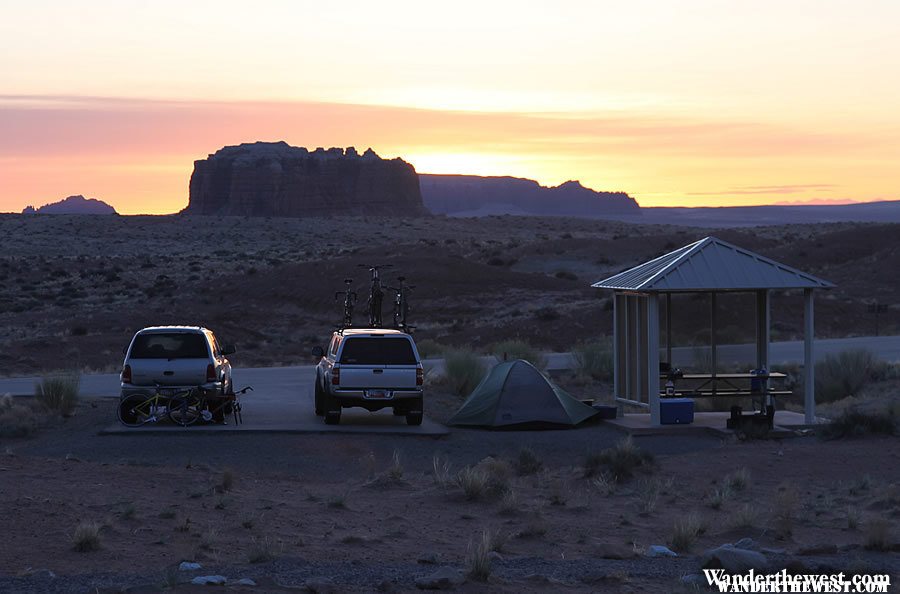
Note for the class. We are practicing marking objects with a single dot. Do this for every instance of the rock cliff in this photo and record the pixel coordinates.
(472, 195)
(275, 179)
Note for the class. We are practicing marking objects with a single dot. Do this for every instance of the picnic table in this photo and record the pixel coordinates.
(700, 385)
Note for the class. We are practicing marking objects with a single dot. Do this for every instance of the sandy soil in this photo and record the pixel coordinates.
(287, 509)
(76, 288)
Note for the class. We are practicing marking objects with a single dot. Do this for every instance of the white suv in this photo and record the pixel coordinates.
(372, 369)
(176, 357)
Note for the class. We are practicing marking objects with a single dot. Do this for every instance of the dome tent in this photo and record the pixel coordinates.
(515, 393)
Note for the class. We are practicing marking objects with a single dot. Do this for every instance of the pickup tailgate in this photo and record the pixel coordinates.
(177, 372)
(363, 377)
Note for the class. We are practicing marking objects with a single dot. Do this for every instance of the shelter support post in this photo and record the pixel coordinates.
(712, 336)
(669, 329)
(809, 364)
(652, 357)
(762, 329)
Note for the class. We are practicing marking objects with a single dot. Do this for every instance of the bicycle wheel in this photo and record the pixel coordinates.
(185, 409)
(134, 410)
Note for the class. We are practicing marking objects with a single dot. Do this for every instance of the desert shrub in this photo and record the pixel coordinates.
(546, 314)
(510, 505)
(527, 462)
(605, 484)
(58, 393)
(519, 349)
(16, 420)
(648, 495)
(854, 422)
(784, 511)
(594, 360)
(227, 482)
(478, 558)
(878, 535)
(685, 531)
(620, 461)
(463, 370)
(747, 516)
(86, 537)
(428, 348)
(845, 374)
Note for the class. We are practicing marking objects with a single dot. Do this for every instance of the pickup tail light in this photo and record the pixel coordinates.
(420, 375)
(336, 376)
(126, 374)
(211, 373)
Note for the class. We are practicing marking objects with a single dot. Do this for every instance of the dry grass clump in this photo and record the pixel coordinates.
(478, 557)
(510, 350)
(746, 516)
(594, 360)
(527, 462)
(648, 495)
(620, 461)
(719, 496)
(463, 371)
(58, 393)
(784, 511)
(510, 505)
(685, 532)
(737, 480)
(489, 479)
(17, 419)
(605, 483)
(395, 470)
(86, 537)
(263, 550)
(441, 471)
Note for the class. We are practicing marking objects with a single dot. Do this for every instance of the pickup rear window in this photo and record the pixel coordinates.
(378, 351)
(178, 345)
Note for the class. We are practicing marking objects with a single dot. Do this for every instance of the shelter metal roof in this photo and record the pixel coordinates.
(711, 265)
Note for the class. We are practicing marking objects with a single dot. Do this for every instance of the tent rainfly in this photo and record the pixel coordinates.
(515, 393)
(706, 266)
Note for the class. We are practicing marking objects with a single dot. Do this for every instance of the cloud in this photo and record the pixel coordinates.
(769, 190)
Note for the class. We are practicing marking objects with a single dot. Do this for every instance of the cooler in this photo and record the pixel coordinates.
(676, 411)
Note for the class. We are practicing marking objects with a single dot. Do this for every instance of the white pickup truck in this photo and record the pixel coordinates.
(372, 369)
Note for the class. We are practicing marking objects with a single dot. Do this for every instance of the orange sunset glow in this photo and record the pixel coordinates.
(699, 103)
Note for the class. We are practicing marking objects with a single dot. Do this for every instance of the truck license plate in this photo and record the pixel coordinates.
(378, 394)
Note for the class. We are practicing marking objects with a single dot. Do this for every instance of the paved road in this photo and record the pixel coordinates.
(281, 401)
(278, 385)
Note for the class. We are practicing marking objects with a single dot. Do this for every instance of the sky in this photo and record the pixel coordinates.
(678, 103)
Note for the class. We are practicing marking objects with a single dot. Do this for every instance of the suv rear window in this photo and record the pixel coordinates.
(178, 345)
(378, 351)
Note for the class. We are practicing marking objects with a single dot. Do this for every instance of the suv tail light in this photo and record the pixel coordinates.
(336, 376)
(211, 373)
(126, 374)
(420, 375)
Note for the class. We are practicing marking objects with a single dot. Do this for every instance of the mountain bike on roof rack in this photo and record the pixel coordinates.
(401, 304)
(376, 295)
(350, 298)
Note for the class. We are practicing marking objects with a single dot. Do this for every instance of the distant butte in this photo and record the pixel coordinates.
(472, 195)
(73, 205)
(276, 179)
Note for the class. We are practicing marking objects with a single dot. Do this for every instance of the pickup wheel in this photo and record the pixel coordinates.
(319, 400)
(332, 411)
(414, 414)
